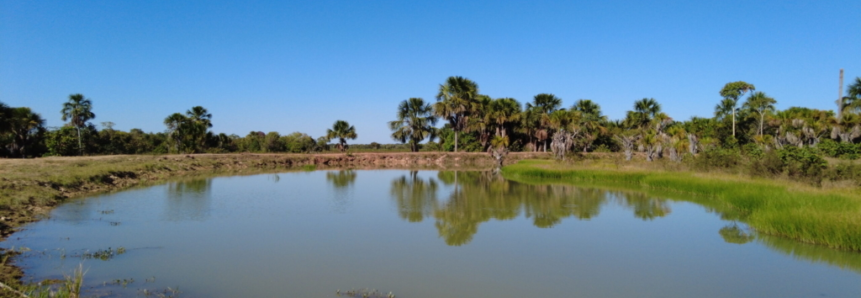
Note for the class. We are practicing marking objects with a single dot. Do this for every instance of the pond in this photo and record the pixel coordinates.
(417, 234)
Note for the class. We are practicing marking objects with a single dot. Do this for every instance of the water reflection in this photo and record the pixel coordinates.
(341, 179)
(188, 200)
(481, 196)
(341, 182)
(415, 197)
(812, 253)
(735, 235)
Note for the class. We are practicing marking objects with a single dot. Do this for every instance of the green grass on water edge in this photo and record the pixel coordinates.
(822, 217)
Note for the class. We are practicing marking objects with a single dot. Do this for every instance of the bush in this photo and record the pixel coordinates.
(803, 164)
(832, 148)
(765, 164)
(717, 158)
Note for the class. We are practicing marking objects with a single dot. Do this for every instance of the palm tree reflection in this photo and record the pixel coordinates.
(479, 197)
(188, 200)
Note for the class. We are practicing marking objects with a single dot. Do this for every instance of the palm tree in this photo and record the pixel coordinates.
(733, 91)
(503, 113)
(455, 101)
(25, 127)
(852, 100)
(724, 109)
(78, 110)
(479, 120)
(847, 128)
(199, 121)
(591, 121)
(544, 104)
(342, 131)
(645, 110)
(760, 103)
(415, 123)
(176, 126)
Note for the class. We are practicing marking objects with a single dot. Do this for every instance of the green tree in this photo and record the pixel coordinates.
(26, 129)
(543, 105)
(591, 121)
(199, 122)
(176, 129)
(456, 99)
(504, 114)
(645, 110)
(733, 91)
(342, 131)
(761, 104)
(415, 122)
(78, 110)
(852, 100)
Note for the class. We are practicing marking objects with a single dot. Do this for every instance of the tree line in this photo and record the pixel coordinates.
(744, 119)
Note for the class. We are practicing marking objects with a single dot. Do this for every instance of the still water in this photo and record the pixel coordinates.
(418, 234)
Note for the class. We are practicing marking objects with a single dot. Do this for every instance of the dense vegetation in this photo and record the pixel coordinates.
(745, 125)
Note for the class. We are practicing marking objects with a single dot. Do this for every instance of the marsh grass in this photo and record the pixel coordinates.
(829, 217)
(69, 287)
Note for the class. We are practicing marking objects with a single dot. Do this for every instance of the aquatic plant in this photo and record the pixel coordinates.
(364, 293)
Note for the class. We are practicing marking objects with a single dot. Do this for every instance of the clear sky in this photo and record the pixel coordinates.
(300, 65)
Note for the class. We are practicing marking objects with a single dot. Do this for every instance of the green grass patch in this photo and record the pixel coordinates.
(825, 217)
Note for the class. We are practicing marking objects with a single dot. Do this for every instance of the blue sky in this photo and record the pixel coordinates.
(300, 65)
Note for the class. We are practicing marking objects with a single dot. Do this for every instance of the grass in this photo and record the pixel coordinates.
(829, 217)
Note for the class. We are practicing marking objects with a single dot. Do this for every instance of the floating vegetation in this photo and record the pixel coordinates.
(104, 254)
(122, 282)
(364, 293)
(165, 293)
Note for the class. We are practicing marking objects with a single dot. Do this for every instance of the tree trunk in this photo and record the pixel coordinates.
(733, 122)
(80, 147)
(455, 140)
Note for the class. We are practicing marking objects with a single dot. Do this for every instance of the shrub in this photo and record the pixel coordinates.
(803, 164)
(717, 158)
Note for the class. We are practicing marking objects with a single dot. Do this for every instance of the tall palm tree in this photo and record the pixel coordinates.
(78, 110)
(415, 123)
(342, 131)
(733, 91)
(760, 103)
(544, 104)
(455, 101)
